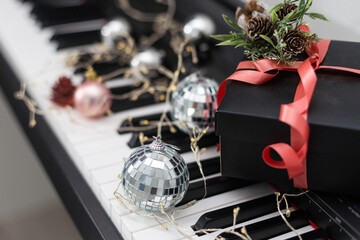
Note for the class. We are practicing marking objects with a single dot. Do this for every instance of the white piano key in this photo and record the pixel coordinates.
(119, 82)
(291, 234)
(105, 158)
(115, 216)
(132, 223)
(83, 130)
(107, 194)
(20, 31)
(104, 175)
(93, 147)
(117, 211)
(83, 26)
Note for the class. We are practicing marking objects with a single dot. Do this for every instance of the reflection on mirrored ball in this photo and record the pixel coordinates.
(199, 25)
(155, 176)
(114, 30)
(148, 58)
(194, 103)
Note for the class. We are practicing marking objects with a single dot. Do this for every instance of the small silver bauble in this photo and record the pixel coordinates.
(114, 30)
(194, 103)
(148, 58)
(199, 25)
(155, 176)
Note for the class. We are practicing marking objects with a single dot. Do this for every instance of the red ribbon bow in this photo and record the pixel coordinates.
(294, 114)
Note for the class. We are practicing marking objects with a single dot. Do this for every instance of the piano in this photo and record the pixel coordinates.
(83, 157)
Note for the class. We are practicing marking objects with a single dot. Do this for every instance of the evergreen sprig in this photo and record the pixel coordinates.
(272, 47)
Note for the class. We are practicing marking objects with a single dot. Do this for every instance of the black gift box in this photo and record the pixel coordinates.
(247, 121)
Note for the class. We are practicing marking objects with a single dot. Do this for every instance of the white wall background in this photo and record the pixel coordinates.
(23, 184)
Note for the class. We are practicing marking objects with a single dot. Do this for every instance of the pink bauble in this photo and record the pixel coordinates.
(92, 99)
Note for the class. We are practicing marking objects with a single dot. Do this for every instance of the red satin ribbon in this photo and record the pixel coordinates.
(294, 114)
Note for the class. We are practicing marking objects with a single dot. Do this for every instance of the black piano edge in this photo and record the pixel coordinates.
(79, 200)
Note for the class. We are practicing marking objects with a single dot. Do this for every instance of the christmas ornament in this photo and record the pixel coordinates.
(194, 103)
(114, 31)
(92, 99)
(147, 58)
(199, 25)
(63, 92)
(155, 176)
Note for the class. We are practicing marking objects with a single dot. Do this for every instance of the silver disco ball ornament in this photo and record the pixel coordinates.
(114, 31)
(199, 25)
(148, 58)
(155, 176)
(194, 103)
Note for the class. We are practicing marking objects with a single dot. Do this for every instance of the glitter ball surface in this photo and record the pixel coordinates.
(152, 178)
(194, 103)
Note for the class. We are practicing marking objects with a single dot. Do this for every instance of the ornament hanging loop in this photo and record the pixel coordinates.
(159, 145)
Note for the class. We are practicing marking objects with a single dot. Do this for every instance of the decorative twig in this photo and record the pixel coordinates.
(173, 83)
(136, 14)
(162, 24)
(194, 139)
(288, 212)
(243, 234)
(30, 104)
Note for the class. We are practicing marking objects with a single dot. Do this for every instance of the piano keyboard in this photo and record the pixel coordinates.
(35, 42)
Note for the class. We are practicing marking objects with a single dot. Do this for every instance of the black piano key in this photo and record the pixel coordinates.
(223, 218)
(271, 227)
(100, 68)
(137, 122)
(210, 166)
(122, 105)
(318, 234)
(49, 16)
(106, 67)
(62, 3)
(178, 139)
(76, 39)
(357, 206)
(215, 186)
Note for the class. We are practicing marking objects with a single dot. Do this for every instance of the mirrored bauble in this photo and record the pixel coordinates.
(92, 99)
(199, 25)
(148, 58)
(155, 176)
(114, 30)
(194, 103)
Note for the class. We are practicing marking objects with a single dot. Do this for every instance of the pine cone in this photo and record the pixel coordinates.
(260, 26)
(250, 7)
(285, 10)
(63, 92)
(295, 42)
